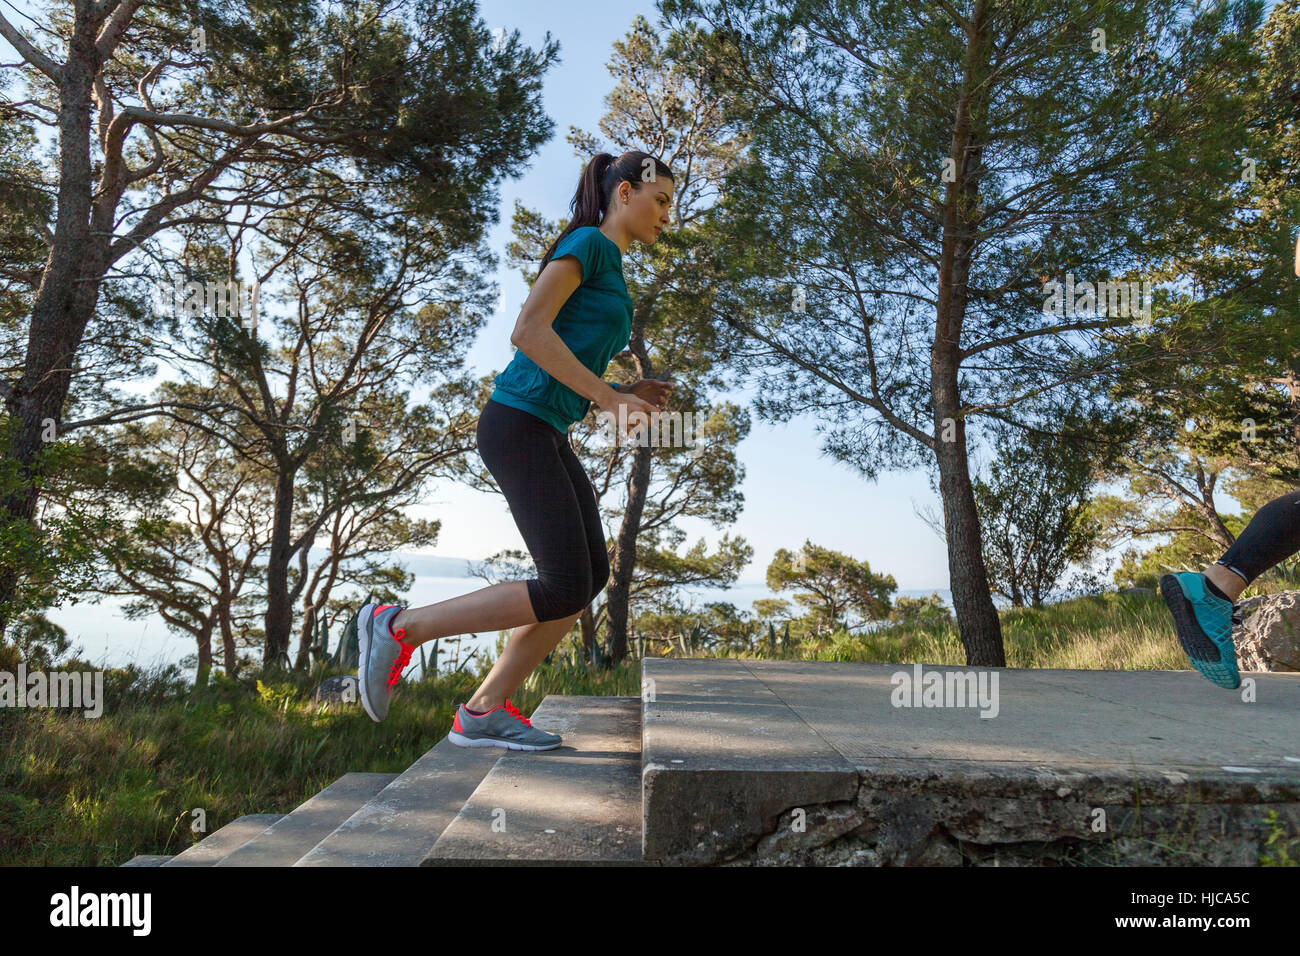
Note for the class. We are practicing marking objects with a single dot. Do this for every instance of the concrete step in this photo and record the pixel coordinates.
(401, 823)
(819, 762)
(288, 840)
(147, 860)
(579, 804)
(722, 756)
(221, 843)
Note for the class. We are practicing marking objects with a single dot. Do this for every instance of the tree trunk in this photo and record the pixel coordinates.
(279, 613)
(221, 615)
(1205, 485)
(314, 604)
(977, 617)
(1017, 594)
(229, 653)
(623, 562)
(65, 299)
(205, 652)
(587, 623)
(306, 634)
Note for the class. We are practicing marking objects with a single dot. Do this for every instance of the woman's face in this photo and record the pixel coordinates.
(648, 208)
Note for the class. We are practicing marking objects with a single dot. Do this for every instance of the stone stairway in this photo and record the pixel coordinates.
(753, 762)
(578, 804)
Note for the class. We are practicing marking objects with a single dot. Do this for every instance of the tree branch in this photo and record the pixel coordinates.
(29, 53)
(111, 33)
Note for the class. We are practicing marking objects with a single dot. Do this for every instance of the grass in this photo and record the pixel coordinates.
(95, 792)
(1103, 632)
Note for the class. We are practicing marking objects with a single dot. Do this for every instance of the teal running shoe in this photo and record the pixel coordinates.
(383, 654)
(1204, 625)
(501, 726)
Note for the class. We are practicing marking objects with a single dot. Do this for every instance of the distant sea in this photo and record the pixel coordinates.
(108, 639)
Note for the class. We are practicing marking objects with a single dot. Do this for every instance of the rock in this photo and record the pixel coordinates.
(1269, 636)
(799, 832)
(338, 690)
(1251, 605)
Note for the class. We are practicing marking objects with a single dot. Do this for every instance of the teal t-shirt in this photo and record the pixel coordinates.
(595, 322)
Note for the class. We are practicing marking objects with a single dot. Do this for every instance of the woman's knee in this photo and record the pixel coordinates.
(565, 596)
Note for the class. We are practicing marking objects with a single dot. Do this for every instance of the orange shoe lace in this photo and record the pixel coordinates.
(514, 712)
(403, 658)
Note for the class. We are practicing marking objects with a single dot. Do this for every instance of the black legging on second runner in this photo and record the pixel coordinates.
(1272, 536)
(552, 502)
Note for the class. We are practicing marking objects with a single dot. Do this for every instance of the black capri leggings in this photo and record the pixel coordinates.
(554, 505)
(1272, 536)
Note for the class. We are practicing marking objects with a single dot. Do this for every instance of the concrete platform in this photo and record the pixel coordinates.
(785, 762)
(579, 804)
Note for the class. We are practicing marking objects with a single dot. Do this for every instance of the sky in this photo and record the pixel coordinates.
(792, 491)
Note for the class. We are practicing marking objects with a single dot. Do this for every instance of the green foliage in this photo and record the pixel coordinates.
(1034, 516)
(1281, 849)
(278, 697)
(59, 557)
(834, 584)
(930, 609)
(1192, 547)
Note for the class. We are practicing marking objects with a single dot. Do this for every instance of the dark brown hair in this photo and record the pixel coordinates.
(597, 185)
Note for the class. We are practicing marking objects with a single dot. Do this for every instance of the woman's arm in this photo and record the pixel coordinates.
(535, 337)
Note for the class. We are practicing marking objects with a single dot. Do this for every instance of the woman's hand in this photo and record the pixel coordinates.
(646, 397)
(653, 390)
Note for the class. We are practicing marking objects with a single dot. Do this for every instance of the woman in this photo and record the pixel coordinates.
(577, 317)
(1203, 604)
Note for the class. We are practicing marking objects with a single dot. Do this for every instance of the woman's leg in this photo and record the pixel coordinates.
(1272, 536)
(488, 609)
(528, 647)
(530, 644)
(525, 456)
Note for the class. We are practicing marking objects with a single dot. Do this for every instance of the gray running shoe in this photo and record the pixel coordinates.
(501, 726)
(382, 656)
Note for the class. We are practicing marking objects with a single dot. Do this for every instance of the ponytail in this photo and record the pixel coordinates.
(596, 186)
